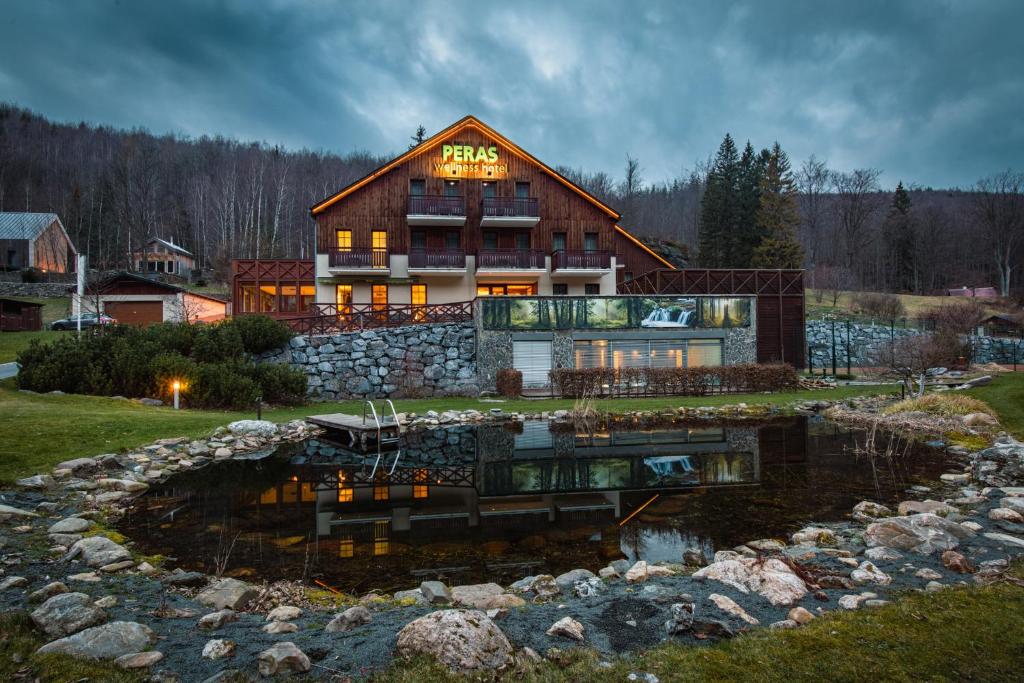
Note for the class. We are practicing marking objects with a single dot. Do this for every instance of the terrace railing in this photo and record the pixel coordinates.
(436, 205)
(509, 259)
(510, 206)
(331, 319)
(358, 257)
(447, 259)
(581, 260)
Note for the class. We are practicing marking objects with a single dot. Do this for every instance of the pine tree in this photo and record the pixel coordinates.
(420, 136)
(777, 215)
(899, 232)
(718, 208)
(746, 234)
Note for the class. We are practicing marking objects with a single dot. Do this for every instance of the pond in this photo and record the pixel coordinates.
(497, 502)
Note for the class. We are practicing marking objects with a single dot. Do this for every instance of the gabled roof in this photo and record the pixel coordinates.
(20, 225)
(125, 275)
(170, 245)
(458, 126)
(643, 246)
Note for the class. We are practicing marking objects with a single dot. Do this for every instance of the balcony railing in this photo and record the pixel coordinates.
(358, 257)
(509, 259)
(434, 205)
(510, 206)
(451, 259)
(564, 259)
(330, 319)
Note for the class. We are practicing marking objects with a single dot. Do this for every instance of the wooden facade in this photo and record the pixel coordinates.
(17, 315)
(633, 258)
(270, 278)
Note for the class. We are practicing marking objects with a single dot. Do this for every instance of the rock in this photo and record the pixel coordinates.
(284, 613)
(415, 596)
(588, 588)
(349, 619)
(566, 581)
(39, 481)
(71, 525)
(875, 603)
(114, 567)
(218, 649)
(477, 595)
(869, 573)
(693, 557)
(972, 526)
(67, 613)
(882, 554)
(98, 551)
(681, 620)
(436, 593)
(933, 586)
(850, 601)
(928, 574)
(183, 578)
(637, 573)
(215, 620)
(1006, 515)
(139, 660)
(914, 507)
(278, 627)
(106, 602)
(772, 578)
(78, 466)
(766, 545)
(955, 478)
(125, 485)
(228, 593)
(955, 561)
(542, 586)
(868, 511)
(816, 535)
(727, 604)
(923, 533)
(282, 658)
(608, 573)
(108, 641)
(13, 582)
(800, 615)
(462, 640)
(7, 512)
(979, 420)
(567, 627)
(86, 577)
(48, 591)
(1006, 539)
(259, 428)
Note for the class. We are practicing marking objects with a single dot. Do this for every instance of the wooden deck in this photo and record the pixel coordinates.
(358, 431)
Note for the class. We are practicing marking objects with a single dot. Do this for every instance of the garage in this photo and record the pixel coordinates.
(135, 312)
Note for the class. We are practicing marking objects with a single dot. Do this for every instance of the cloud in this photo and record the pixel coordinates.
(927, 92)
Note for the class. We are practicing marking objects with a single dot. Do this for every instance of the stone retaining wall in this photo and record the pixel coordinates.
(35, 289)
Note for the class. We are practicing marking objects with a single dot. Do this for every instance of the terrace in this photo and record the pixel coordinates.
(427, 210)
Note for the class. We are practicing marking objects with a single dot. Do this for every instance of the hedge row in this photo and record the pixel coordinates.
(509, 383)
(576, 383)
(212, 362)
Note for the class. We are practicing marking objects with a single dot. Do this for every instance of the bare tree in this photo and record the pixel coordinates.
(813, 181)
(999, 205)
(911, 357)
(857, 200)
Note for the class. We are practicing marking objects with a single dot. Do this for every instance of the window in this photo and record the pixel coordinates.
(558, 241)
(590, 241)
(307, 492)
(668, 353)
(591, 354)
(268, 299)
(560, 288)
(523, 241)
(381, 490)
(12, 256)
(417, 187)
(345, 491)
(451, 188)
(250, 298)
(379, 299)
(289, 298)
(490, 240)
(151, 266)
(522, 190)
(489, 189)
(506, 290)
(591, 289)
(420, 488)
(381, 533)
(343, 298)
(627, 276)
(418, 297)
(307, 295)
(346, 547)
(641, 353)
(452, 240)
(380, 248)
(703, 352)
(343, 239)
(170, 266)
(269, 497)
(418, 240)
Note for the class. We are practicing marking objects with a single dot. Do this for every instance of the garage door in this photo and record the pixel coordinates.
(135, 312)
(533, 359)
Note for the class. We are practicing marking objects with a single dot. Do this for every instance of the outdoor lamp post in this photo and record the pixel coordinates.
(177, 394)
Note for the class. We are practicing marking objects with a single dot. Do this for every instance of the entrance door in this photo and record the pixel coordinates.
(533, 359)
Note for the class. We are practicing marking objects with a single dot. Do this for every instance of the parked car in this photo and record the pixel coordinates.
(89, 320)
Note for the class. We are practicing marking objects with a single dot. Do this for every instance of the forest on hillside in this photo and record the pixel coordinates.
(223, 199)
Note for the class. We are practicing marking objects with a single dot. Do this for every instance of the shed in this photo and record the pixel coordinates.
(977, 292)
(20, 315)
(35, 240)
(135, 300)
(1001, 326)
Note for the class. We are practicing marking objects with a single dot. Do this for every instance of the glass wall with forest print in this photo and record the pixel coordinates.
(615, 312)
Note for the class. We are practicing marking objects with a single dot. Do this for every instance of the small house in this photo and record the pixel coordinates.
(20, 315)
(35, 240)
(160, 256)
(976, 292)
(1001, 326)
(132, 299)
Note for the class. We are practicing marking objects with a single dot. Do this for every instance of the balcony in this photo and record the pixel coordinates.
(509, 261)
(359, 260)
(424, 261)
(587, 262)
(509, 212)
(436, 210)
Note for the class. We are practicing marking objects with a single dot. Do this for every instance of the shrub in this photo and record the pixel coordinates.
(169, 367)
(509, 383)
(260, 333)
(959, 317)
(280, 383)
(881, 306)
(223, 385)
(945, 405)
(596, 382)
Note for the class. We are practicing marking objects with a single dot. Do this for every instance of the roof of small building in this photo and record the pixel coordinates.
(125, 275)
(170, 245)
(21, 225)
(23, 301)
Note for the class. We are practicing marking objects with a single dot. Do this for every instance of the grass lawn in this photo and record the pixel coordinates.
(1006, 396)
(13, 342)
(38, 431)
(916, 306)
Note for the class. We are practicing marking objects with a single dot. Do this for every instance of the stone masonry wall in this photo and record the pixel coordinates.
(35, 289)
(412, 361)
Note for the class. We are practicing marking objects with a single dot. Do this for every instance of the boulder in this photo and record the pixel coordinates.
(766, 545)
(78, 466)
(567, 627)
(924, 533)
(436, 593)
(462, 640)
(283, 658)
(566, 581)
(67, 613)
(800, 615)
(955, 561)
(279, 627)
(868, 511)
(139, 660)
(70, 525)
(869, 573)
(589, 588)
(125, 485)
(477, 595)
(1005, 515)
(915, 507)
(816, 535)
(38, 481)
(218, 648)
(681, 618)
(215, 620)
(260, 428)
(772, 579)
(228, 593)
(349, 619)
(1005, 539)
(284, 613)
(728, 605)
(108, 641)
(415, 596)
(48, 591)
(979, 420)
(178, 577)
(13, 582)
(98, 551)
(637, 573)
(7, 512)
(882, 554)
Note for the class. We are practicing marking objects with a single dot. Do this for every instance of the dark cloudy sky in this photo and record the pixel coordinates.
(929, 91)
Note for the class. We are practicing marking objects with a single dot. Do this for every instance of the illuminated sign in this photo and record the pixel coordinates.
(467, 161)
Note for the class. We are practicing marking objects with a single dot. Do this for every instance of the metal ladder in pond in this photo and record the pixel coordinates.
(381, 439)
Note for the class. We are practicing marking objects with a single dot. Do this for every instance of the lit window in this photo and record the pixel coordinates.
(346, 547)
(381, 490)
(379, 296)
(420, 490)
(344, 239)
(380, 248)
(345, 492)
(343, 298)
(269, 496)
(290, 492)
(308, 493)
(418, 297)
(381, 537)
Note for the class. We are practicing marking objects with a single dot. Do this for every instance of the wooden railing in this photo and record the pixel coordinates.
(424, 258)
(726, 281)
(581, 260)
(510, 206)
(330, 319)
(436, 205)
(509, 259)
(358, 257)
